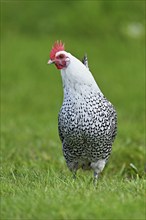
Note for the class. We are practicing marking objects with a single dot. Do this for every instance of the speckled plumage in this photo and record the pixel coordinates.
(87, 128)
(87, 121)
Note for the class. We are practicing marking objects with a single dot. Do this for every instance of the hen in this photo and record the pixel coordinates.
(87, 121)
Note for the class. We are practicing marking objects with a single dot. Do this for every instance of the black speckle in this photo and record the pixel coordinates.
(86, 134)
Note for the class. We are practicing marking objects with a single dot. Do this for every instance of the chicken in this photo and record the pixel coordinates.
(87, 121)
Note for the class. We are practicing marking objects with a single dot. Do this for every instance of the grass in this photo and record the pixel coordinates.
(35, 182)
(48, 195)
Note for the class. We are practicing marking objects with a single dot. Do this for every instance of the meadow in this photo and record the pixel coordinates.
(35, 182)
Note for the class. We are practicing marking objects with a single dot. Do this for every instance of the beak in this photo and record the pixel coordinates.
(50, 62)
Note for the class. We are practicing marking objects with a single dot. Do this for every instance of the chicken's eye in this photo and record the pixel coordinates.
(61, 56)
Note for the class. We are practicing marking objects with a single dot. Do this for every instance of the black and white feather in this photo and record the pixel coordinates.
(87, 121)
(85, 60)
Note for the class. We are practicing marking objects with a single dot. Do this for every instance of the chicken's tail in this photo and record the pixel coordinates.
(85, 60)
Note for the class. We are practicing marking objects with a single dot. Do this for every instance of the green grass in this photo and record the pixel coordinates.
(49, 195)
(35, 182)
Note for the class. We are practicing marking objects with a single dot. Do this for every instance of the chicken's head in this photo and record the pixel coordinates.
(58, 56)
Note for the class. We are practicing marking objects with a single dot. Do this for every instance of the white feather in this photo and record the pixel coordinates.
(77, 77)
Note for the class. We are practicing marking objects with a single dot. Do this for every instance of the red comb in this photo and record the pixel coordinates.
(58, 46)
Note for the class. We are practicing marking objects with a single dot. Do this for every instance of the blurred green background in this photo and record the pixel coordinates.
(112, 33)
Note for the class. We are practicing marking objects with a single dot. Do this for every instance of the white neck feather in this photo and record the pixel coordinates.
(77, 78)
